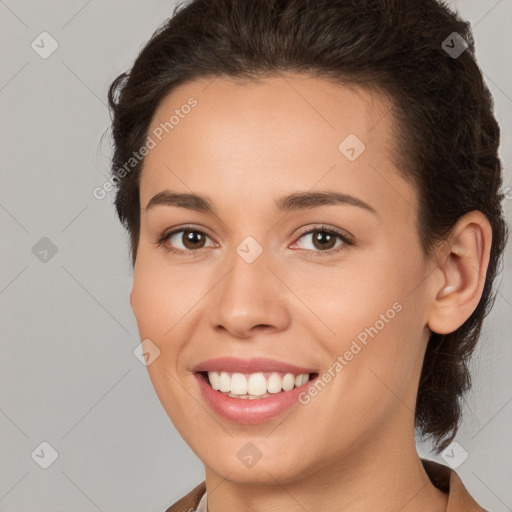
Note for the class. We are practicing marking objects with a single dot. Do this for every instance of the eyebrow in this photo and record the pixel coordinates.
(291, 202)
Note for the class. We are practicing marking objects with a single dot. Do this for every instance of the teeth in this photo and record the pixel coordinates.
(255, 385)
(238, 384)
(274, 383)
(224, 382)
(248, 397)
(288, 382)
(214, 380)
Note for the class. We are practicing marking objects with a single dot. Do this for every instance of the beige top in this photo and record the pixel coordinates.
(444, 478)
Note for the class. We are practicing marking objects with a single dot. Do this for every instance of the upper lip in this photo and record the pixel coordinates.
(259, 364)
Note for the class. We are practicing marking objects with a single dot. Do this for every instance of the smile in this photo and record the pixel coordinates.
(255, 385)
(251, 391)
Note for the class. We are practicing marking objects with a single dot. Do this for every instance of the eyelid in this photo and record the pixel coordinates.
(185, 227)
(324, 227)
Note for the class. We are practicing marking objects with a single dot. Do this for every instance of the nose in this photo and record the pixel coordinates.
(249, 299)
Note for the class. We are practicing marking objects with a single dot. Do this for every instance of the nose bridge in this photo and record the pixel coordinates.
(249, 295)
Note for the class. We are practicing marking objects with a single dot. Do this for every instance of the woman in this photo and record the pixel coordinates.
(312, 193)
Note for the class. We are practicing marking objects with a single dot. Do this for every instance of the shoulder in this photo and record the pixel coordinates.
(443, 477)
(447, 480)
(190, 501)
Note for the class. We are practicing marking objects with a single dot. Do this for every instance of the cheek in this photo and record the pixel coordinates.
(165, 302)
(158, 304)
(161, 296)
(372, 315)
(146, 306)
(352, 296)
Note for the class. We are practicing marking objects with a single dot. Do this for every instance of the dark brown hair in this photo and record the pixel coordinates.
(443, 110)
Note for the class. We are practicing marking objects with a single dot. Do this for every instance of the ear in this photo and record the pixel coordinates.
(459, 275)
(131, 299)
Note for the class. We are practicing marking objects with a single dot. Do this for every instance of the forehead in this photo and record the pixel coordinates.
(281, 133)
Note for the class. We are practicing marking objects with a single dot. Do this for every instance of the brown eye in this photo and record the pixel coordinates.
(324, 239)
(193, 239)
(186, 239)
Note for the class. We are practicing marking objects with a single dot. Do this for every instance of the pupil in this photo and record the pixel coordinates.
(324, 240)
(192, 238)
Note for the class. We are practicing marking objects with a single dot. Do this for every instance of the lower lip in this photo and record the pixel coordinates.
(249, 412)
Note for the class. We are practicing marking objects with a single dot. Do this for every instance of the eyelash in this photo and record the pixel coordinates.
(347, 242)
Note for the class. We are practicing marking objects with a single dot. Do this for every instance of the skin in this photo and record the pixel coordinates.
(245, 144)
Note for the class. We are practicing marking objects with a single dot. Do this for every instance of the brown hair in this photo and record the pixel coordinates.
(449, 136)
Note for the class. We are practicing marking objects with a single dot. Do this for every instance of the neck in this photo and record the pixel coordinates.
(384, 477)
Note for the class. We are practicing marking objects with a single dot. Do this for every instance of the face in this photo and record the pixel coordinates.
(300, 256)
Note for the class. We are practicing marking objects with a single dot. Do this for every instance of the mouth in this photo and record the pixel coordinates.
(254, 386)
(251, 391)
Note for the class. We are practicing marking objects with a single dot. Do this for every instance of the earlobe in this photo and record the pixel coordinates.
(462, 262)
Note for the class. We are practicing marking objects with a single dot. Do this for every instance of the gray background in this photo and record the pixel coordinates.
(68, 375)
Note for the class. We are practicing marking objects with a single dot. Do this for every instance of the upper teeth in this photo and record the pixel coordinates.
(255, 384)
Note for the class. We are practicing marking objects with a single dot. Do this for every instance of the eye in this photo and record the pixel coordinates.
(324, 239)
(184, 240)
(320, 240)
